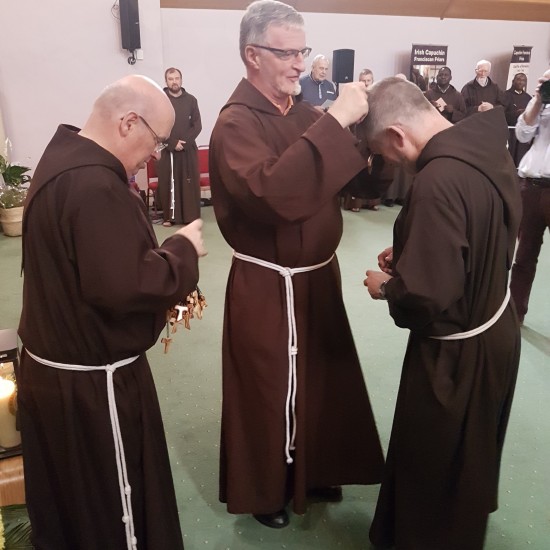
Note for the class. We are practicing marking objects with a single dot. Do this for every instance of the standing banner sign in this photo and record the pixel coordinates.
(426, 60)
(521, 59)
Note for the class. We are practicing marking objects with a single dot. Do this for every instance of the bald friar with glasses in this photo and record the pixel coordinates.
(96, 290)
(296, 419)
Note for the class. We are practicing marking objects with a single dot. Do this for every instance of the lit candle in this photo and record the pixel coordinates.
(9, 436)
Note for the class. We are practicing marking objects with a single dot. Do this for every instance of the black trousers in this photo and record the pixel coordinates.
(535, 220)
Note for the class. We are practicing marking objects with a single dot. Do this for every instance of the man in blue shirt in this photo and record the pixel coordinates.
(316, 89)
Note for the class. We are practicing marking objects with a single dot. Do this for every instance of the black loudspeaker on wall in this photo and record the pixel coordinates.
(342, 65)
(129, 25)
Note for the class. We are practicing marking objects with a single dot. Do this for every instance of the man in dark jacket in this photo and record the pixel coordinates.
(446, 280)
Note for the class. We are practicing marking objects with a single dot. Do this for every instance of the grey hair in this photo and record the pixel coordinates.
(319, 57)
(393, 101)
(260, 15)
(365, 72)
(483, 62)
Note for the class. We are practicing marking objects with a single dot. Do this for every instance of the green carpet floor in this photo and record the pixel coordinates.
(189, 387)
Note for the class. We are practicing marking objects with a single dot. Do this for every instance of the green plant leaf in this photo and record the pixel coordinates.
(13, 174)
(16, 528)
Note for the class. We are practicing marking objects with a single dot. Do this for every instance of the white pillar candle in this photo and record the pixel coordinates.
(9, 436)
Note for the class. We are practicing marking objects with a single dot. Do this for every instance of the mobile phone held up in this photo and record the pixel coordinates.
(545, 91)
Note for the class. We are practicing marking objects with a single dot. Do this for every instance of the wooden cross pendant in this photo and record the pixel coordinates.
(166, 342)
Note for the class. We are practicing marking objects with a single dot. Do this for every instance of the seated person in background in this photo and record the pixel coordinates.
(446, 98)
(517, 99)
(481, 93)
(316, 89)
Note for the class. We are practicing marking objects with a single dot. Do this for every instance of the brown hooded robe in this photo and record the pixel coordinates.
(453, 247)
(187, 192)
(275, 181)
(96, 289)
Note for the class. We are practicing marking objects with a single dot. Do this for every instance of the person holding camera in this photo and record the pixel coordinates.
(534, 171)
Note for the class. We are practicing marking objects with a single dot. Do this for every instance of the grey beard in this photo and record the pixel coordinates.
(297, 89)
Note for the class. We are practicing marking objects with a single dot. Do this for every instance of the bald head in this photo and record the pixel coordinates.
(130, 118)
(132, 93)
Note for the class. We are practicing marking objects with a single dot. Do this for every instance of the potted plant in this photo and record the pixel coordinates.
(13, 192)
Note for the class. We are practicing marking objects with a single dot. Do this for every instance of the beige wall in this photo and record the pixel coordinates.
(55, 58)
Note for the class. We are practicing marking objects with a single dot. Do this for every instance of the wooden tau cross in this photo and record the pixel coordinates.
(166, 342)
(182, 313)
(181, 309)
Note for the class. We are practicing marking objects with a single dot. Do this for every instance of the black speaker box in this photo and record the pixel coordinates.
(129, 25)
(342, 65)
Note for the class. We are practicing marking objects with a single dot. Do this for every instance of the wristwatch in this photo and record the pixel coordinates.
(382, 290)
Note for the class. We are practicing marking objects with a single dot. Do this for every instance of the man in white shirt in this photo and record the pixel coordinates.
(534, 169)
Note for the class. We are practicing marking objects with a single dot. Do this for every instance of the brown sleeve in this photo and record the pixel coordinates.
(290, 185)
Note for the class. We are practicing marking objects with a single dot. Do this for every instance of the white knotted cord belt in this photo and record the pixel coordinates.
(480, 329)
(287, 273)
(124, 485)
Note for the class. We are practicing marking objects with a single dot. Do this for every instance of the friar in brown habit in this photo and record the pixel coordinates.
(178, 166)
(95, 294)
(296, 415)
(446, 280)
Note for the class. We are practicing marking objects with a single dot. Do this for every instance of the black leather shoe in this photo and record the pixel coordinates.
(278, 520)
(326, 494)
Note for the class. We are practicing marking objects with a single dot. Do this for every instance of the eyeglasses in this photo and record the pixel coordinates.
(160, 143)
(284, 55)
